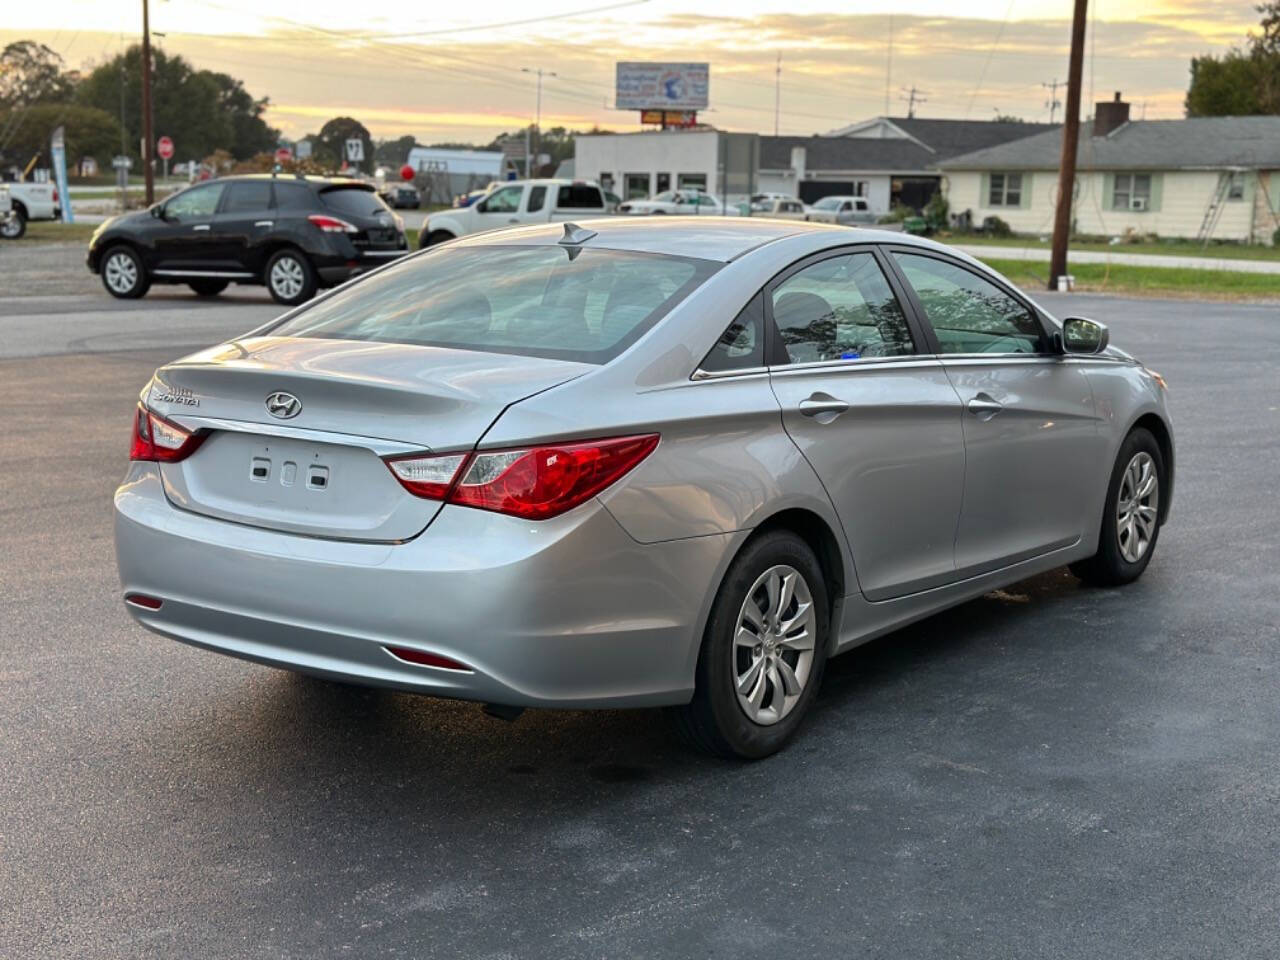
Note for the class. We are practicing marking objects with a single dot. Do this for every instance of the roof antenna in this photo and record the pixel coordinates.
(575, 235)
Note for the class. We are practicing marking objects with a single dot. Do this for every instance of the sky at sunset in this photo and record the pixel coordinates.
(457, 76)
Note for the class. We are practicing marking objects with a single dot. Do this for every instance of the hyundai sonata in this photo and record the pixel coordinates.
(634, 463)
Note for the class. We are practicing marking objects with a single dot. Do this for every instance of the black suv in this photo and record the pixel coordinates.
(293, 234)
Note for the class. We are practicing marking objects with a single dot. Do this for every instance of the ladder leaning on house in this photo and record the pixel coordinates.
(1213, 212)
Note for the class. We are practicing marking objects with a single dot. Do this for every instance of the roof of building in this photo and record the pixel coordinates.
(950, 138)
(1193, 143)
(906, 144)
(846, 153)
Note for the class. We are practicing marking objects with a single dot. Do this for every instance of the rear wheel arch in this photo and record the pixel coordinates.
(20, 208)
(815, 531)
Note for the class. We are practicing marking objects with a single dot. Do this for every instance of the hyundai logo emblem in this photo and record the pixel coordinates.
(283, 406)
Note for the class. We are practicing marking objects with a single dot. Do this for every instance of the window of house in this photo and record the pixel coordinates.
(606, 182)
(1235, 189)
(664, 182)
(841, 308)
(1131, 187)
(1005, 190)
(691, 181)
(635, 186)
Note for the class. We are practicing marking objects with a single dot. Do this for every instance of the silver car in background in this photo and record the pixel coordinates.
(634, 463)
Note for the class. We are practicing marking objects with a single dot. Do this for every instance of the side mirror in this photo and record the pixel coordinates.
(157, 211)
(1081, 335)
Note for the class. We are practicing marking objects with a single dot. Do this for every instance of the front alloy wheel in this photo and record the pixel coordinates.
(123, 274)
(1137, 507)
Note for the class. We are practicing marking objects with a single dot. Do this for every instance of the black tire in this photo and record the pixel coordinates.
(433, 238)
(123, 273)
(208, 288)
(290, 278)
(1109, 567)
(14, 225)
(714, 721)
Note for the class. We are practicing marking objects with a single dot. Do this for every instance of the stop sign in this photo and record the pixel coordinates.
(164, 147)
(283, 155)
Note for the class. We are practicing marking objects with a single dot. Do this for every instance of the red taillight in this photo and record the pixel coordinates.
(55, 196)
(534, 483)
(158, 440)
(332, 224)
(424, 659)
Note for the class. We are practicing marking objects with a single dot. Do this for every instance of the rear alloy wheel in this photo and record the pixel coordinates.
(14, 225)
(123, 274)
(290, 278)
(1131, 521)
(763, 653)
(207, 288)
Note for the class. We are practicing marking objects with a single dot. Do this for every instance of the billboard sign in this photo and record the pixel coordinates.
(662, 86)
(670, 118)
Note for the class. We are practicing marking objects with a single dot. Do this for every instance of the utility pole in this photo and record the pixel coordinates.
(1070, 140)
(888, 67)
(912, 96)
(537, 122)
(1054, 103)
(777, 93)
(147, 134)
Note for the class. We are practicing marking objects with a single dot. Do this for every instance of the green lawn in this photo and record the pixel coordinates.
(1164, 281)
(1168, 248)
(55, 231)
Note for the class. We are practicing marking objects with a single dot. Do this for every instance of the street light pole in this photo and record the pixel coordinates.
(537, 121)
(1070, 141)
(147, 146)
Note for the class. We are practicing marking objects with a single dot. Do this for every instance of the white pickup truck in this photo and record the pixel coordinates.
(514, 203)
(30, 201)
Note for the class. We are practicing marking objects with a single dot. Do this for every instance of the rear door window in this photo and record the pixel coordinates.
(840, 308)
(249, 196)
(582, 304)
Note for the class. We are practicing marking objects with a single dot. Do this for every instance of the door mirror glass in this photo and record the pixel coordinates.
(1080, 335)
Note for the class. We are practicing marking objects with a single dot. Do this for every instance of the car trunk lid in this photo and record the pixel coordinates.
(315, 465)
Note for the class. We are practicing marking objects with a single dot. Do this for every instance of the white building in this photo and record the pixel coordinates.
(637, 165)
(464, 170)
(1202, 178)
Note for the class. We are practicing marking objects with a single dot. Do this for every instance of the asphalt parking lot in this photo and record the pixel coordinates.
(1049, 771)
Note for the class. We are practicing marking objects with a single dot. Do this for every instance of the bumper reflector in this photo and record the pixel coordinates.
(142, 600)
(424, 659)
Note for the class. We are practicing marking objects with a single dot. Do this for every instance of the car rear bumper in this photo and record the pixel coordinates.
(339, 269)
(569, 612)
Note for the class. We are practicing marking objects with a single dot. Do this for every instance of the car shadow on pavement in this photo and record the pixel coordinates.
(308, 728)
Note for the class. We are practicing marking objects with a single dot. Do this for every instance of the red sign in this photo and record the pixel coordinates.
(283, 155)
(164, 147)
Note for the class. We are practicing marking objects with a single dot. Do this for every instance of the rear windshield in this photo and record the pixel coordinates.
(353, 201)
(585, 305)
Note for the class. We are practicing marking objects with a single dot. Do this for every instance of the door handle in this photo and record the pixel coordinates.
(818, 404)
(265, 223)
(200, 226)
(984, 407)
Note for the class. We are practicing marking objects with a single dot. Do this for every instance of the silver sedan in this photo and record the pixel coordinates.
(637, 462)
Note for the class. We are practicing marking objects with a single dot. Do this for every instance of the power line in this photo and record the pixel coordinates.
(1053, 103)
(912, 96)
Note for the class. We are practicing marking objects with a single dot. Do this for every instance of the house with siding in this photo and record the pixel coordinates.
(1200, 178)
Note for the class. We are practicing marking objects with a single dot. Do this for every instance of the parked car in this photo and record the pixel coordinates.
(780, 208)
(842, 210)
(293, 234)
(516, 202)
(401, 196)
(685, 202)
(11, 227)
(634, 464)
(29, 201)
